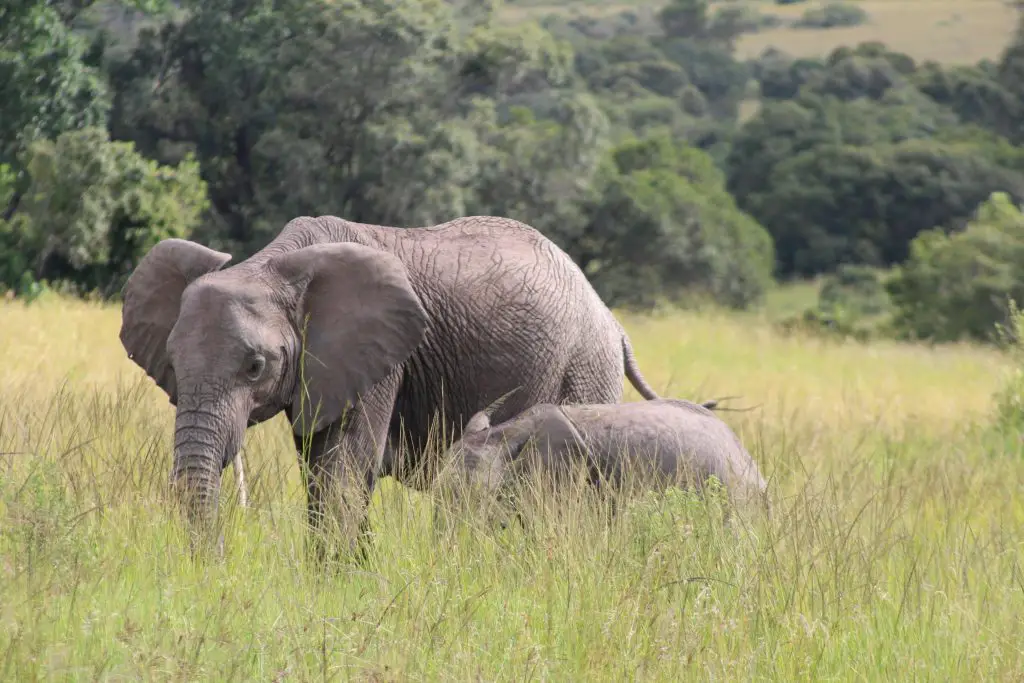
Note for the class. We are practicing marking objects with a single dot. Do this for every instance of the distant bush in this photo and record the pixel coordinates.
(833, 15)
(1009, 399)
(789, 2)
(92, 209)
(855, 290)
(732, 20)
(852, 303)
(958, 286)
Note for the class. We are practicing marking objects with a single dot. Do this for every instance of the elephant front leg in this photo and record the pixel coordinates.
(339, 482)
(341, 465)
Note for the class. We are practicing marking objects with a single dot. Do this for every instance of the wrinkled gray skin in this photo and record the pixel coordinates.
(661, 442)
(401, 325)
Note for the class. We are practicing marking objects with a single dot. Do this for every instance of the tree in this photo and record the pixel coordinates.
(363, 109)
(684, 18)
(94, 207)
(959, 286)
(660, 225)
(45, 87)
(854, 181)
(864, 204)
(972, 94)
(539, 170)
(1010, 73)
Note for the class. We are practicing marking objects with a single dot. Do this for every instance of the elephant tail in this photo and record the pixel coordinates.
(633, 370)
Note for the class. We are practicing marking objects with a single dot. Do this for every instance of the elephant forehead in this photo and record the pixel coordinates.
(223, 295)
(218, 311)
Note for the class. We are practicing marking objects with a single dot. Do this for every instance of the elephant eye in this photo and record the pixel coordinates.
(255, 367)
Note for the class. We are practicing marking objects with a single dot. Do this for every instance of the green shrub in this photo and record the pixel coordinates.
(833, 15)
(733, 20)
(852, 303)
(663, 226)
(93, 208)
(1009, 400)
(958, 286)
(858, 290)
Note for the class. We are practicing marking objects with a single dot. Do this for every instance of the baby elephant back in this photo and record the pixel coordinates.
(672, 440)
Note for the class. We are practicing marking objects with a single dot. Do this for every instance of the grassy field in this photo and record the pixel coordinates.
(948, 31)
(894, 553)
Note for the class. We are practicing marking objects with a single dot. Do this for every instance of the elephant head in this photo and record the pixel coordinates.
(486, 453)
(225, 344)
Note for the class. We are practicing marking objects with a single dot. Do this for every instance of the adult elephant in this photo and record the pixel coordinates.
(397, 326)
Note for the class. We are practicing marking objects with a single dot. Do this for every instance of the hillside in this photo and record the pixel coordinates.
(948, 31)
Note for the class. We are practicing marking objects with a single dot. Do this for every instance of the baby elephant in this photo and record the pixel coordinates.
(677, 441)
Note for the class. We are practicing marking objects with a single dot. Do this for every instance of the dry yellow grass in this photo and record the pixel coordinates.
(948, 31)
(833, 387)
(47, 344)
(895, 550)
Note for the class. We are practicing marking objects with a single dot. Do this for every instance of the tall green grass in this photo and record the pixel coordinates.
(894, 551)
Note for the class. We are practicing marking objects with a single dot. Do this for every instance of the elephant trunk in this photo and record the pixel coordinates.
(201, 444)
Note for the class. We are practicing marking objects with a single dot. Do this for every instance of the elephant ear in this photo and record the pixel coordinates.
(152, 298)
(544, 426)
(482, 419)
(478, 423)
(360, 317)
(557, 433)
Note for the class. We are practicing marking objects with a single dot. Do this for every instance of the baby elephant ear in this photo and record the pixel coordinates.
(152, 298)
(360, 317)
(478, 423)
(482, 420)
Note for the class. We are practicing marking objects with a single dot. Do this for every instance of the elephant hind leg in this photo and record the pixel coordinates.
(592, 380)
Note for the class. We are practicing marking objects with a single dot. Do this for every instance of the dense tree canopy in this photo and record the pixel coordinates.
(960, 286)
(619, 136)
(849, 158)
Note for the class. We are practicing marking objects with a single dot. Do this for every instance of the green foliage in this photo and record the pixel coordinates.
(713, 69)
(94, 207)
(731, 21)
(972, 94)
(1010, 75)
(836, 180)
(662, 225)
(833, 15)
(460, 112)
(1009, 399)
(410, 146)
(853, 155)
(857, 290)
(864, 204)
(45, 86)
(867, 70)
(958, 286)
(564, 152)
(454, 118)
(684, 18)
(852, 303)
(14, 256)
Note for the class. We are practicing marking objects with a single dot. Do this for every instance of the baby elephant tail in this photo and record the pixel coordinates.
(633, 370)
